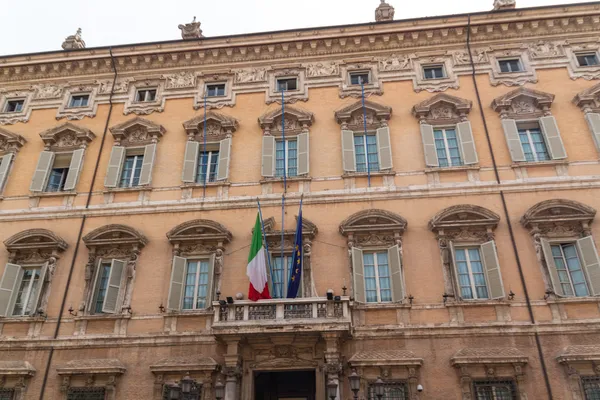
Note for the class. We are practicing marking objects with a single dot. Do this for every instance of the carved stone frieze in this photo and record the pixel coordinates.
(544, 49)
(325, 68)
(35, 245)
(183, 79)
(352, 117)
(589, 99)
(45, 91)
(218, 127)
(523, 103)
(121, 86)
(10, 142)
(395, 62)
(67, 136)
(137, 131)
(442, 109)
(559, 218)
(309, 231)
(296, 121)
(198, 237)
(462, 57)
(250, 75)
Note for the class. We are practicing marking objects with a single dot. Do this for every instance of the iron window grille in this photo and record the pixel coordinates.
(495, 390)
(86, 394)
(7, 394)
(391, 391)
(193, 395)
(591, 387)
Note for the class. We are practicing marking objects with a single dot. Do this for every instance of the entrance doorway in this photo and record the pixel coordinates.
(292, 385)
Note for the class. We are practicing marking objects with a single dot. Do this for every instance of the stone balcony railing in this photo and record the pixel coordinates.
(307, 314)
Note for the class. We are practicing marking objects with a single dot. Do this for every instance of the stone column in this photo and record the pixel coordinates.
(232, 369)
(232, 375)
(333, 366)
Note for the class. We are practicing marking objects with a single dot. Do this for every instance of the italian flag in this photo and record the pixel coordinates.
(257, 266)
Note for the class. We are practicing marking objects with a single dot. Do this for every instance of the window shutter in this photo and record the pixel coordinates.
(593, 120)
(467, 143)
(115, 164)
(42, 171)
(224, 159)
(8, 285)
(492, 269)
(384, 148)
(303, 154)
(268, 156)
(348, 155)
(177, 283)
(511, 132)
(117, 268)
(38, 294)
(552, 271)
(555, 143)
(146, 173)
(190, 162)
(209, 286)
(591, 263)
(396, 273)
(358, 275)
(4, 166)
(74, 169)
(458, 294)
(431, 158)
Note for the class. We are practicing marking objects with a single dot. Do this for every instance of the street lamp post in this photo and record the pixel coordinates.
(219, 390)
(332, 389)
(354, 379)
(379, 388)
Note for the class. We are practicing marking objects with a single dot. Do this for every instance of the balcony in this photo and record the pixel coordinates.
(282, 315)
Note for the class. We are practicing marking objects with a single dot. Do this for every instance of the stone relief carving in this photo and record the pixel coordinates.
(322, 69)
(67, 136)
(218, 127)
(180, 80)
(395, 62)
(461, 57)
(121, 86)
(47, 91)
(523, 103)
(251, 75)
(352, 116)
(137, 131)
(546, 49)
(10, 142)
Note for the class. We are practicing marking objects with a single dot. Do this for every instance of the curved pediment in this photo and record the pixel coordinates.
(558, 210)
(198, 230)
(308, 227)
(442, 108)
(217, 124)
(67, 136)
(35, 239)
(373, 220)
(137, 130)
(115, 235)
(523, 102)
(464, 215)
(353, 115)
(295, 119)
(10, 142)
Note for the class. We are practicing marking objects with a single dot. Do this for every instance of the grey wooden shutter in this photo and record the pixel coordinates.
(74, 169)
(511, 132)
(384, 148)
(591, 263)
(593, 120)
(8, 287)
(428, 139)
(358, 275)
(303, 154)
(146, 173)
(552, 134)
(115, 164)
(396, 273)
(348, 153)
(4, 167)
(268, 156)
(190, 162)
(224, 159)
(552, 271)
(113, 289)
(177, 283)
(455, 269)
(42, 171)
(467, 143)
(492, 269)
(38, 293)
(211, 279)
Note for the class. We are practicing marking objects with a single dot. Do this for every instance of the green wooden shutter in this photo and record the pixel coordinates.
(593, 120)
(211, 278)
(467, 143)
(303, 154)
(113, 289)
(492, 269)
(11, 277)
(115, 165)
(395, 263)
(42, 171)
(177, 283)
(268, 156)
(552, 134)
(428, 139)
(5, 161)
(224, 159)
(348, 154)
(511, 132)
(146, 173)
(190, 162)
(38, 294)
(358, 275)
(591, 263)
(552, 271)
(74, 169)
(384, 148)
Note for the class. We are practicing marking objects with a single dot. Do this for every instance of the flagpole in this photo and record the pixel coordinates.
(262, 224)
(282, 239)
(284, 183)
(204, 150)
(296, 235)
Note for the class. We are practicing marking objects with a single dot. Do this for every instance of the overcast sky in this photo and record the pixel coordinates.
(41, 25)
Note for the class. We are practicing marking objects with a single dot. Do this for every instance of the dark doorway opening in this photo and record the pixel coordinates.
(296, 385)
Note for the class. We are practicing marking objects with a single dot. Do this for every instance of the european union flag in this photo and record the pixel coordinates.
(296, 272)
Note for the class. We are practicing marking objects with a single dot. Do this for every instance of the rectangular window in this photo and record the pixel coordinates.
(101, 286)
(132, 168)
(510, 65)
(281, 275)
(533, 143)
(196, 285)
(587, 59)
(145, 95)
(434, 72)
(365, 148)
(79, 100)
(471, 277)
(287, 84)
(207, 160)
(377, 277)
(570, 273)
(495, 390)
(7, 394)
(446, 145)
(215, 90)
(360, 78)
(591, 387)
(28, 289)
(391, 391)
(86, 394)
(14, 106)
(286, 157)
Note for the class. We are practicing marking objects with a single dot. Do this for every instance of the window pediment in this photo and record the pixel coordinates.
(218, 126)
(137, 131)
(10, 142)
(352, 117)
(589, 99)
(464, 215)
(296, 120)
(442, 108)
(489, 356)
(199, 237)
(16, 368)
(579, 353)
(184, 365)
(119, 238)
(309, 231)
(373, 228)
(101, 366)
(523, 103)
(67, 136)
(385, 358)
(559, 217)
(34, 245)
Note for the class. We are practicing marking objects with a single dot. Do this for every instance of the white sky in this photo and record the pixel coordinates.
(42, 25)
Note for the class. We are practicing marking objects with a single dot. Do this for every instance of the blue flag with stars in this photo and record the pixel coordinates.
(296, 268)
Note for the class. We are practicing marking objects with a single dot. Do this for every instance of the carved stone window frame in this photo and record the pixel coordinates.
(374, 87)
(292, 96)
(575, 70)
(66, 137)
(137, 132)
(534, 104)
(94, 373)
(443, 110)
(78, 113)
(497, 77)
(145, 108)
(580, 361)
(450, 81)
(204, 370)
(10, 144)
(218, 127)
(14, 117)
(16, 375)
(228, 100)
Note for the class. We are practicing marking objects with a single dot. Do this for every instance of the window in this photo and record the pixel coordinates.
(79, 100)
(132, 169)
(510, 65)
(391, 391)
(27, 294)
(207, 160)
(101, 286)
(570, 272)
(286, 158)
(196, 285)
(215, 90)
(591, 387)
(14, 106)
(446, 145)
(7, 394)
(587, 59)
(59, 172)
(533, 143)
(495, 390)
(281, 275)
(145, 95)
(86, 394)
(358, 78)
(287, 84)
(365, 147)
(377, 277)
(434, 72)
(471, 277)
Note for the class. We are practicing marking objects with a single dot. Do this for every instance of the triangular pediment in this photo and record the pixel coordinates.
(137, 123)
(224, 122)
(523, 101)
(558, 210)
(590, 96)
(464, 215)
(380, 111)
(67, 135)
(137, 130)
(10, 141)
(442, 106)
(295, 118)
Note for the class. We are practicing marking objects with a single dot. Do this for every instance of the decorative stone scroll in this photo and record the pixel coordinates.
(16, 375)
(442, 109)
(523, 103)
(91, 373)
(137, 131)
(10, 142)
(170, 370)
(218, 127)
(67, 137)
